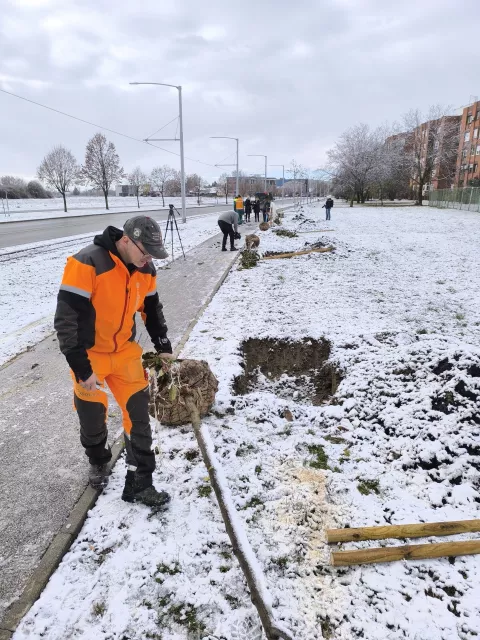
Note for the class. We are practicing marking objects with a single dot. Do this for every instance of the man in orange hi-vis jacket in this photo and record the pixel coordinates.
(103, 286)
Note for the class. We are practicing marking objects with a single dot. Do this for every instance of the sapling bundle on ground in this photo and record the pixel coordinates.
(264, 226)
(285, 233)
(249, 259)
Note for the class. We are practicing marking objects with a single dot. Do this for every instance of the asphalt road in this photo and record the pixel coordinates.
(24, 232)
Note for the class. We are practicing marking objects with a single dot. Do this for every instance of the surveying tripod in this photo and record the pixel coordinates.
(171, 224)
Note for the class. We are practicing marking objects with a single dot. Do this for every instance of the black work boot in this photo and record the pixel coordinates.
(128, 494)
(98, 475)
(233, 249)
(142, 490)
(224, 248)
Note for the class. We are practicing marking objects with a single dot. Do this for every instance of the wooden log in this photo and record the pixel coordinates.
(298, 253)
(405, 552)
(422, 530)
(317, 231)
(241, 547)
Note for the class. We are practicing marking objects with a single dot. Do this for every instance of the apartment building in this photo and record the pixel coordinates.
(468, 158)
(251, 184)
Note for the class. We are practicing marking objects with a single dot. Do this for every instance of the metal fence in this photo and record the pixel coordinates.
(463, 198)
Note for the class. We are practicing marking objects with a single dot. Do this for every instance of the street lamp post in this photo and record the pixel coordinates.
(182, 159)
(229, 165)
(283, 178)
(259, 155)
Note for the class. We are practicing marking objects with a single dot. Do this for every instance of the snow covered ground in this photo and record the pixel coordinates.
(31, 275)
(33, 209)
(397, 305)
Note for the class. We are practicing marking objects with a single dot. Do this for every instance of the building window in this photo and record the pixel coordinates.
(464, 153)
(475, 133)
(475, 167)
(466, 137)
(469, 118)
(477, 151)
(470, 168)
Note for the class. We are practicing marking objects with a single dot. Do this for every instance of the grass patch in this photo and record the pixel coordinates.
(169, 569)
(281, 562)
(321, 458)
(244, 449)
(191, 454)
(252, 503)
(422, 332)
(460, 316)
(366, 487)
(98, 609)
(335, 439)
(224, 569)
(232, 601)
(258, 470)
(186, 615)
(204, 490)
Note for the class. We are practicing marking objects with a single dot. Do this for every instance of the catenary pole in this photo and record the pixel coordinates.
(182, 158)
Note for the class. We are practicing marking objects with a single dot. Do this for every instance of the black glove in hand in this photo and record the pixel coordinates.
(163, 345)
(237, 235)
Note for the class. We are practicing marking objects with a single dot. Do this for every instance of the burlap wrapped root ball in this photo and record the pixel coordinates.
(264, 226)
(170, 389)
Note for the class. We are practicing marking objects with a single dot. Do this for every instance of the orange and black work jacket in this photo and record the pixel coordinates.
(97, 302)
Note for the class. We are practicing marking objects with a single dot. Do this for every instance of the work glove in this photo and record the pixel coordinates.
(163, 345)
(237, 235)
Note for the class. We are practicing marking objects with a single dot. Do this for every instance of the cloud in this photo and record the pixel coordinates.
(286, 78)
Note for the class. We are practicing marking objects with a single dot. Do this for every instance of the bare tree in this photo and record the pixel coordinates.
(59, 170)
(223, 186)
(160, 177)
(102, 164)
(173, 186)
(138, 180)
(193, 184)
(431, 148)
(354, 161)
(298, 173)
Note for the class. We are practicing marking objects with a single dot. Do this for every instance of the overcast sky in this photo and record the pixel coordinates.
(285, 77)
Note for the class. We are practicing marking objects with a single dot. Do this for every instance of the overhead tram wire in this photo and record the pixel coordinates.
(98, 126)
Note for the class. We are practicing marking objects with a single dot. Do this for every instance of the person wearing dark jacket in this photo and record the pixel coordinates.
(248, 209)
(103, 287)
(256, 210)
(328, 207)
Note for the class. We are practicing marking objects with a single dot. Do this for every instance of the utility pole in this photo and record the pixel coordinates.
(283, 178)
(259, 155)
(182, 159)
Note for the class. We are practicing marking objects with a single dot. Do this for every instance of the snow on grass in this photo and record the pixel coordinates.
(34, 209)
(398, 301)
(31, 276)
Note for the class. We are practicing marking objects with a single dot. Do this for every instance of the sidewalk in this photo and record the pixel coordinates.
(44, 470)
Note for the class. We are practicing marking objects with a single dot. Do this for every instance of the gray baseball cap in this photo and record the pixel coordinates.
(145, 230)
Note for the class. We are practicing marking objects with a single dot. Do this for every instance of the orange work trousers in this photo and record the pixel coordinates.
(123, 373)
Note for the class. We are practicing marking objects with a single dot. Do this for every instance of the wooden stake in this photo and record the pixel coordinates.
(273, 631)
(299, 253)
(421, 530)
(317, 231)
(405, 552)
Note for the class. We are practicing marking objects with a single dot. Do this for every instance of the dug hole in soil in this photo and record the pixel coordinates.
(298, 370)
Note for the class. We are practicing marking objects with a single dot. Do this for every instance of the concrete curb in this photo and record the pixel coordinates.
(64, 538)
